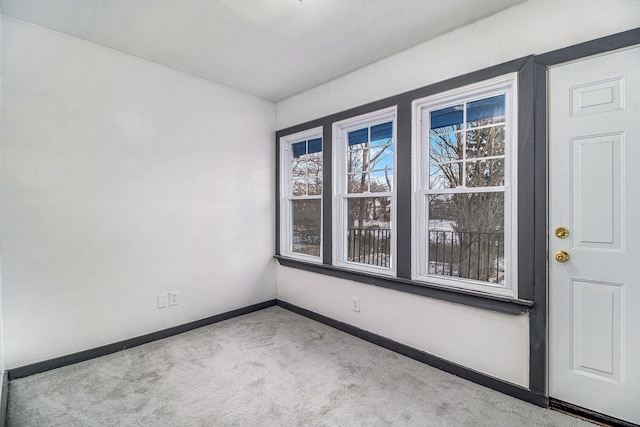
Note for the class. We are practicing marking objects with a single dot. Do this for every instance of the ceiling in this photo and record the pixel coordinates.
(269, 48)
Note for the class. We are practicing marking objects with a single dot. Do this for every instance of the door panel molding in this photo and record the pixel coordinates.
(597, 329)
(597, 97)
(597, 192)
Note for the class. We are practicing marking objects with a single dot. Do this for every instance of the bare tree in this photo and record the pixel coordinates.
(368, 171)
(360, 164)
(477, 218)
(306, 172)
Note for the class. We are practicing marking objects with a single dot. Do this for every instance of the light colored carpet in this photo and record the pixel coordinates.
(269, 368)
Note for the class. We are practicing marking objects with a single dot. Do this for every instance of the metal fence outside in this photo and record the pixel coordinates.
(467, 254)
(369, 246)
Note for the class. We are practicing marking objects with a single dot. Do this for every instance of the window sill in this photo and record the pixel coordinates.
(471, 298)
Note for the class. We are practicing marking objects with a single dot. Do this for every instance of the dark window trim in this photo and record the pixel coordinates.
(404, 194)
(590, 48)
(402, 281)
(538, 314)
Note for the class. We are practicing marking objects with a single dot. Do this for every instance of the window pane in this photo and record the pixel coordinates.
(356, 159)
(299, 149)
(446, 147)
(466, 236)
(448, 175)
(485, 111)
(381, 142)
(369, 231)
(305, 219)
(357, 183)
(315, 186)
(299, 187)
(382, 132)
(306, 168)
(381, 181)
(485, 173)
(315, 145)
(314, 168)
(447, 119)
(298, 168)
(358, 137)
(381, 157)
(485, 142)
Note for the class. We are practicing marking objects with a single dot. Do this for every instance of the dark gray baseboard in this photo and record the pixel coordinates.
(421, 356)
(4, 399)
(70, 359)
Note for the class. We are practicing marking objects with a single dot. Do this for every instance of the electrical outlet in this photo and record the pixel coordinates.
(163, 300)
(355, 304)
(173, 298)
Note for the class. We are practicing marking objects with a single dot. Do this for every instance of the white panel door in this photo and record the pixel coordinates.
(594, 191)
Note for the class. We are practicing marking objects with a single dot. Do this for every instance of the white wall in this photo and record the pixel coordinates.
(121, 180)
(1, 312)
(489, 342)
(534, 27)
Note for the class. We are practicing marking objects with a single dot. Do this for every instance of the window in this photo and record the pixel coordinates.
(423, 191)
(464, 187)
(301, 195)
(364, 203)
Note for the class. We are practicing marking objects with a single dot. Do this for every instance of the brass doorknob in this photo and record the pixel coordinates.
(561, 232)
(561, 256)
